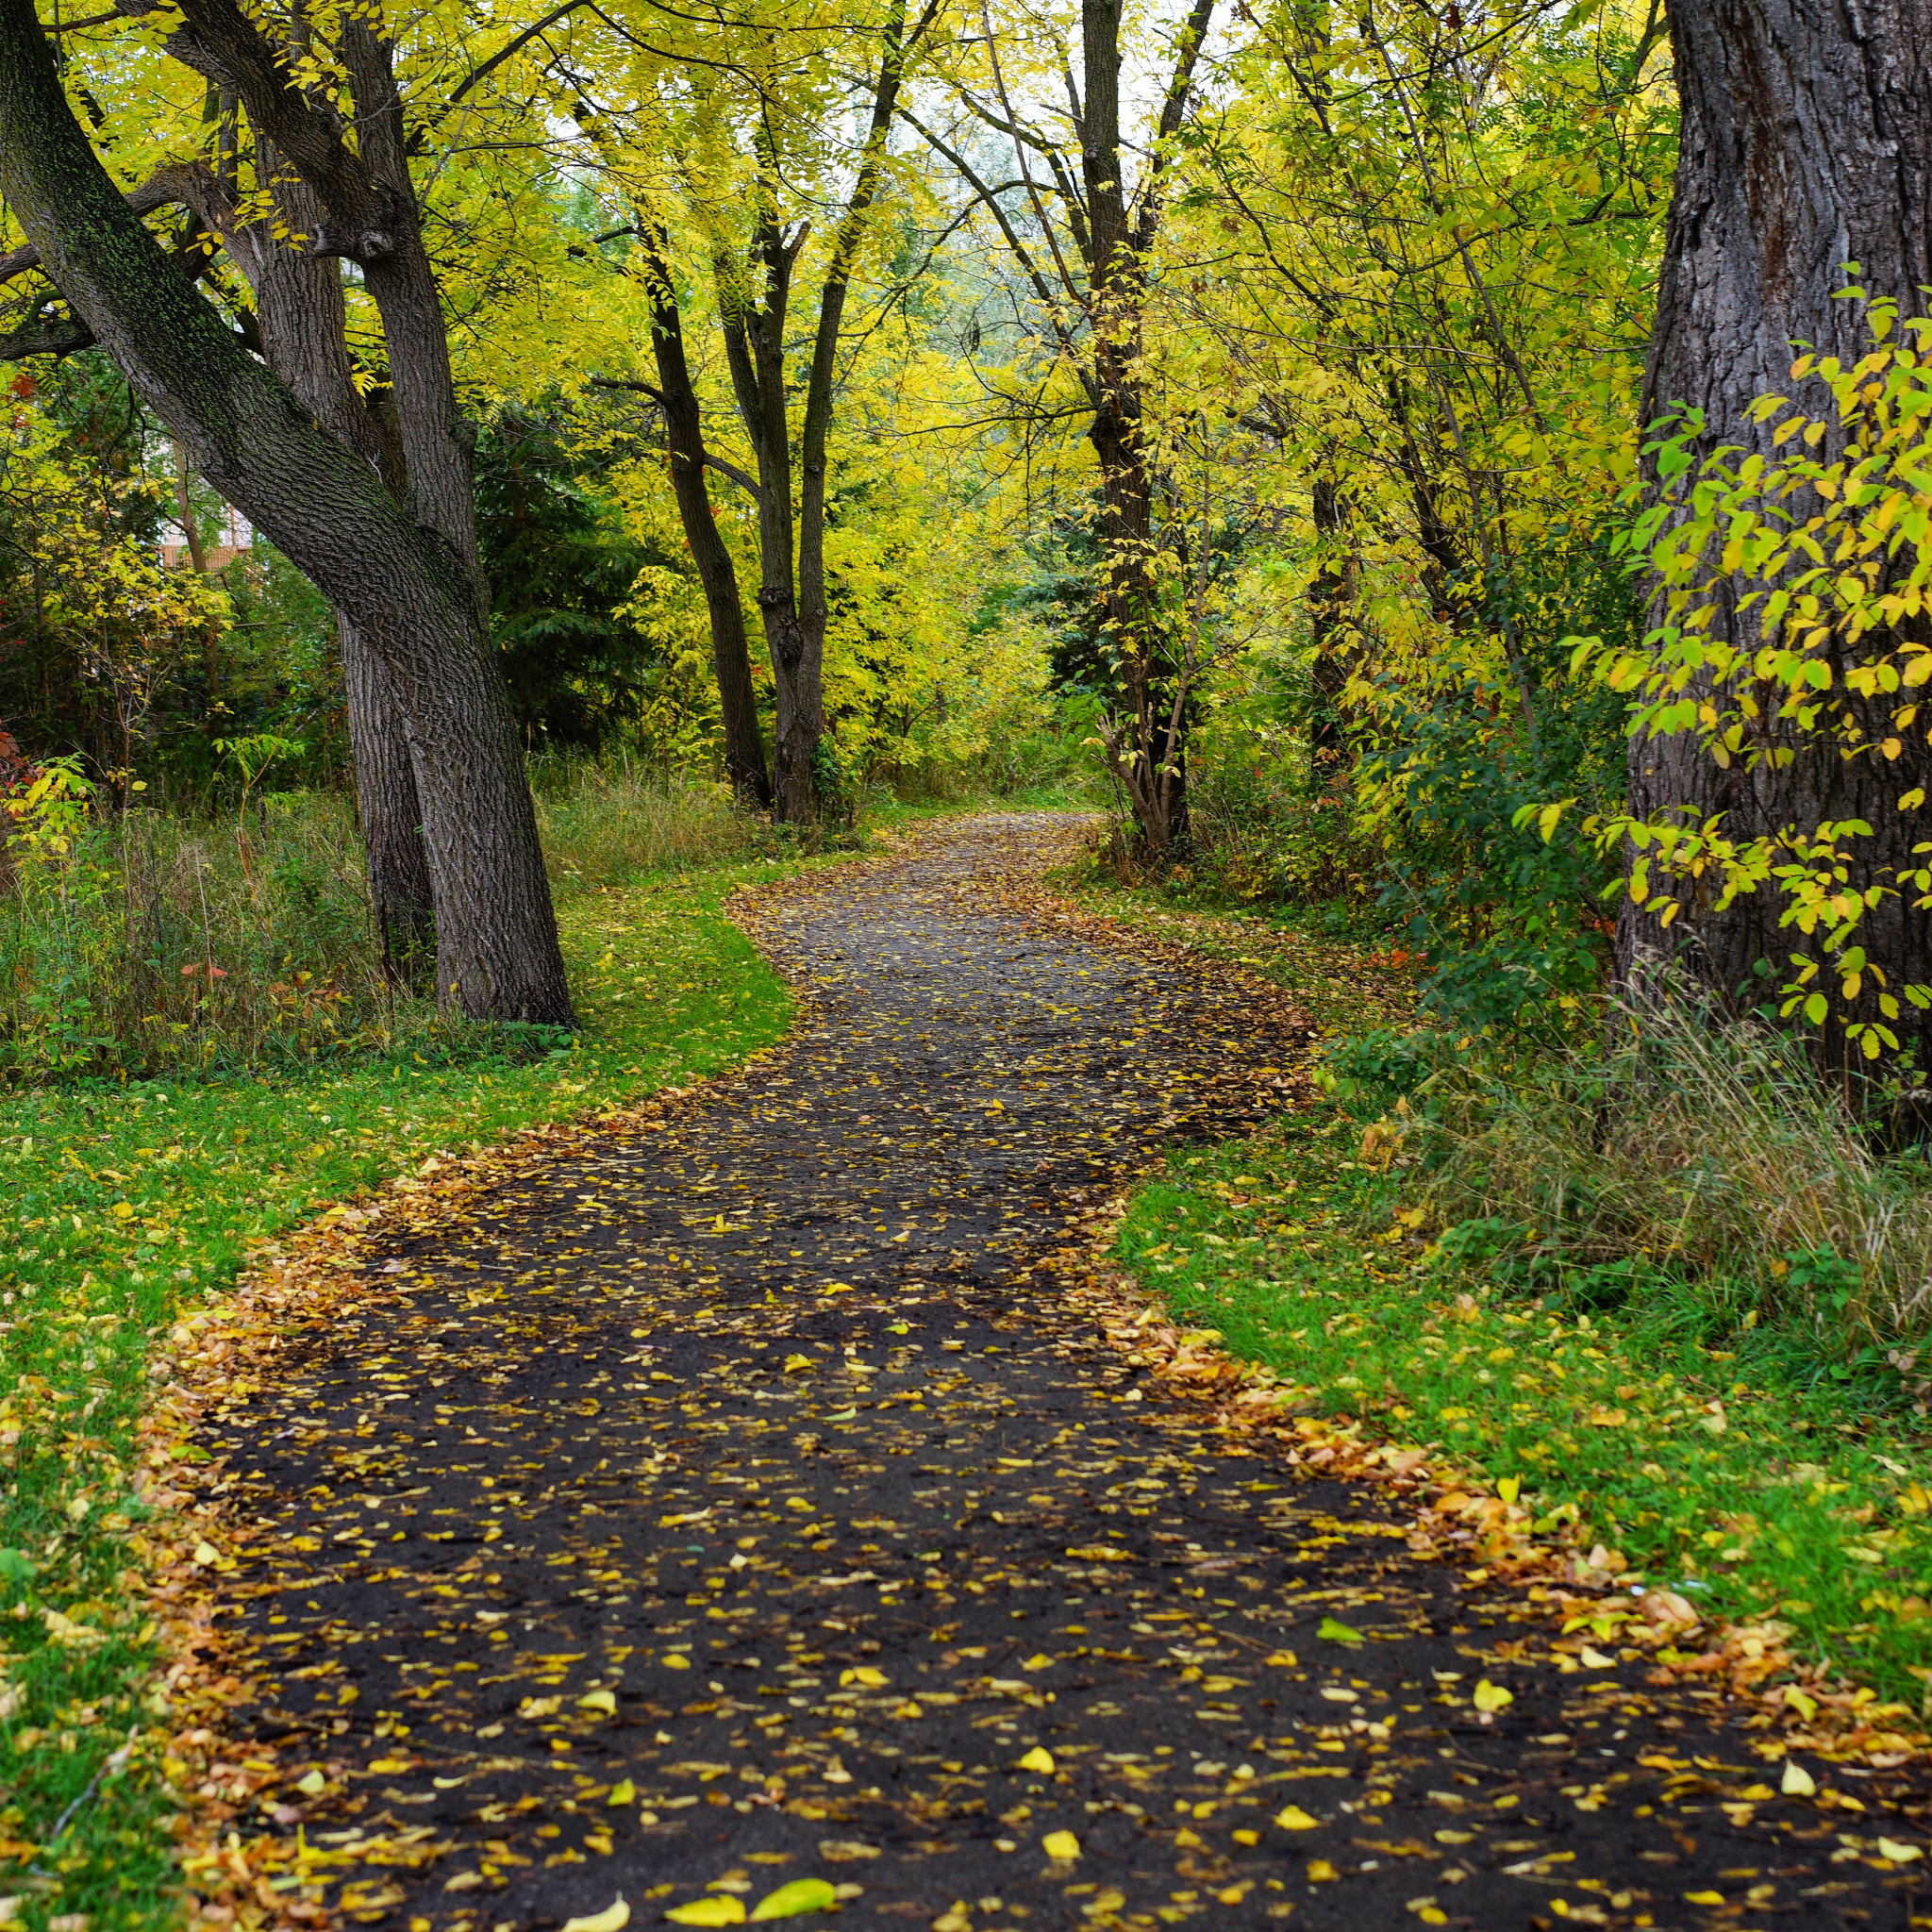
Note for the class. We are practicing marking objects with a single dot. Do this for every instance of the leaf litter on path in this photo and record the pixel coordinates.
(1011, 1607)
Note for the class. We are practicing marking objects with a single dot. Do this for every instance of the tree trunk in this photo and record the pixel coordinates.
(402, 588)
(401, 892)
(684, 434)
(303, 322)
(1807, 143)
(1328, 602)
(1155, 731)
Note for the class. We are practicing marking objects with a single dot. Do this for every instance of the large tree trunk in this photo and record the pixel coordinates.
(303, 322)
(406, 590)
(684, 434)
(1807, 143)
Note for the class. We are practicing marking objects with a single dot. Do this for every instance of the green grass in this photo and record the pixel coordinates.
(1719, 1471)
(124, 1203)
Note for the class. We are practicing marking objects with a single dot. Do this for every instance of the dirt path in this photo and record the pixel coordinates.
(749, 1502)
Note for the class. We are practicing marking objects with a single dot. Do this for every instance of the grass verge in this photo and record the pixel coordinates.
(1759, 1496)
(122, 1203)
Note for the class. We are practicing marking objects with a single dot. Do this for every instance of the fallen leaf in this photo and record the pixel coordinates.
(864, 1675)
(1596, 1661)
(206, 1552)
(1899, 1854)
(1509, 1487)
(312, 1786)
(719, 1909)
(1038, 1661)
(1797, 1782)
(613, 1918)
(1284, 1659)
(1039, 1758)
(1319, 1869)
(599, 1700)
(1491, 1697)
(798, 1364)
(1705, 1898)
(1292, 1818)
(795, 1900)
(1061, 1844)
(1333, 1632)
(622, 1792)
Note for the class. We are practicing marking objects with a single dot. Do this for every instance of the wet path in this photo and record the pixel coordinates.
(751, 1504)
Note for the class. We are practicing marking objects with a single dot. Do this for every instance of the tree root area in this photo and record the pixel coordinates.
(759, 1500)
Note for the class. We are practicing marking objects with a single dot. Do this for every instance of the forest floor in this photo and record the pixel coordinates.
(770, 1492)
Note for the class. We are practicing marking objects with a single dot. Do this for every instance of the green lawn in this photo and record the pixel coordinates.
(120, 1205)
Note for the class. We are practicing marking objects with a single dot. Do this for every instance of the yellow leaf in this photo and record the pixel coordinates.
(1509, 1487)
(1295, 1818)
(1797, 1782)
(1039, 1758)
(675, 1660)
(1596, 1661)
(865, 1675)
(797, 1364)
(1284, 1659)
(1806, 1707)
(622, 1792)
(312, 1786)
(720, 1909)
(1491, 1696)
(613, 1918)
(1705, 1898)
(1038, 1661)
(599, 1700)
(206, 1552)
(795, 1900)
(1899, 1854)
(1061, 1844)
(122, 1210)
(1319, 1869)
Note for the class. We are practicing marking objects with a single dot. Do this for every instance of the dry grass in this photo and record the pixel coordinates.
(606, 825)
(1703, 1152)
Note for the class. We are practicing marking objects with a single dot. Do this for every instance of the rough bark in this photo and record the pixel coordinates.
(684, 434)
(405, 590)
(1807, 143)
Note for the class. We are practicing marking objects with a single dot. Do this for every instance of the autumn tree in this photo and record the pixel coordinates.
(1081, 232)
(398, 561)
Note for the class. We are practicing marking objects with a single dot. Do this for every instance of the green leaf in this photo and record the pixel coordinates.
(795, 1900)
(1332, 1632)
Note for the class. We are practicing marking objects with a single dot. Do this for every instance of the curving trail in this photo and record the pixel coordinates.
(765, 1472)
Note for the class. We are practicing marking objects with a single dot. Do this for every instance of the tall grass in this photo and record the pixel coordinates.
(159, 942)
(609, 824)
(1668, 1150)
